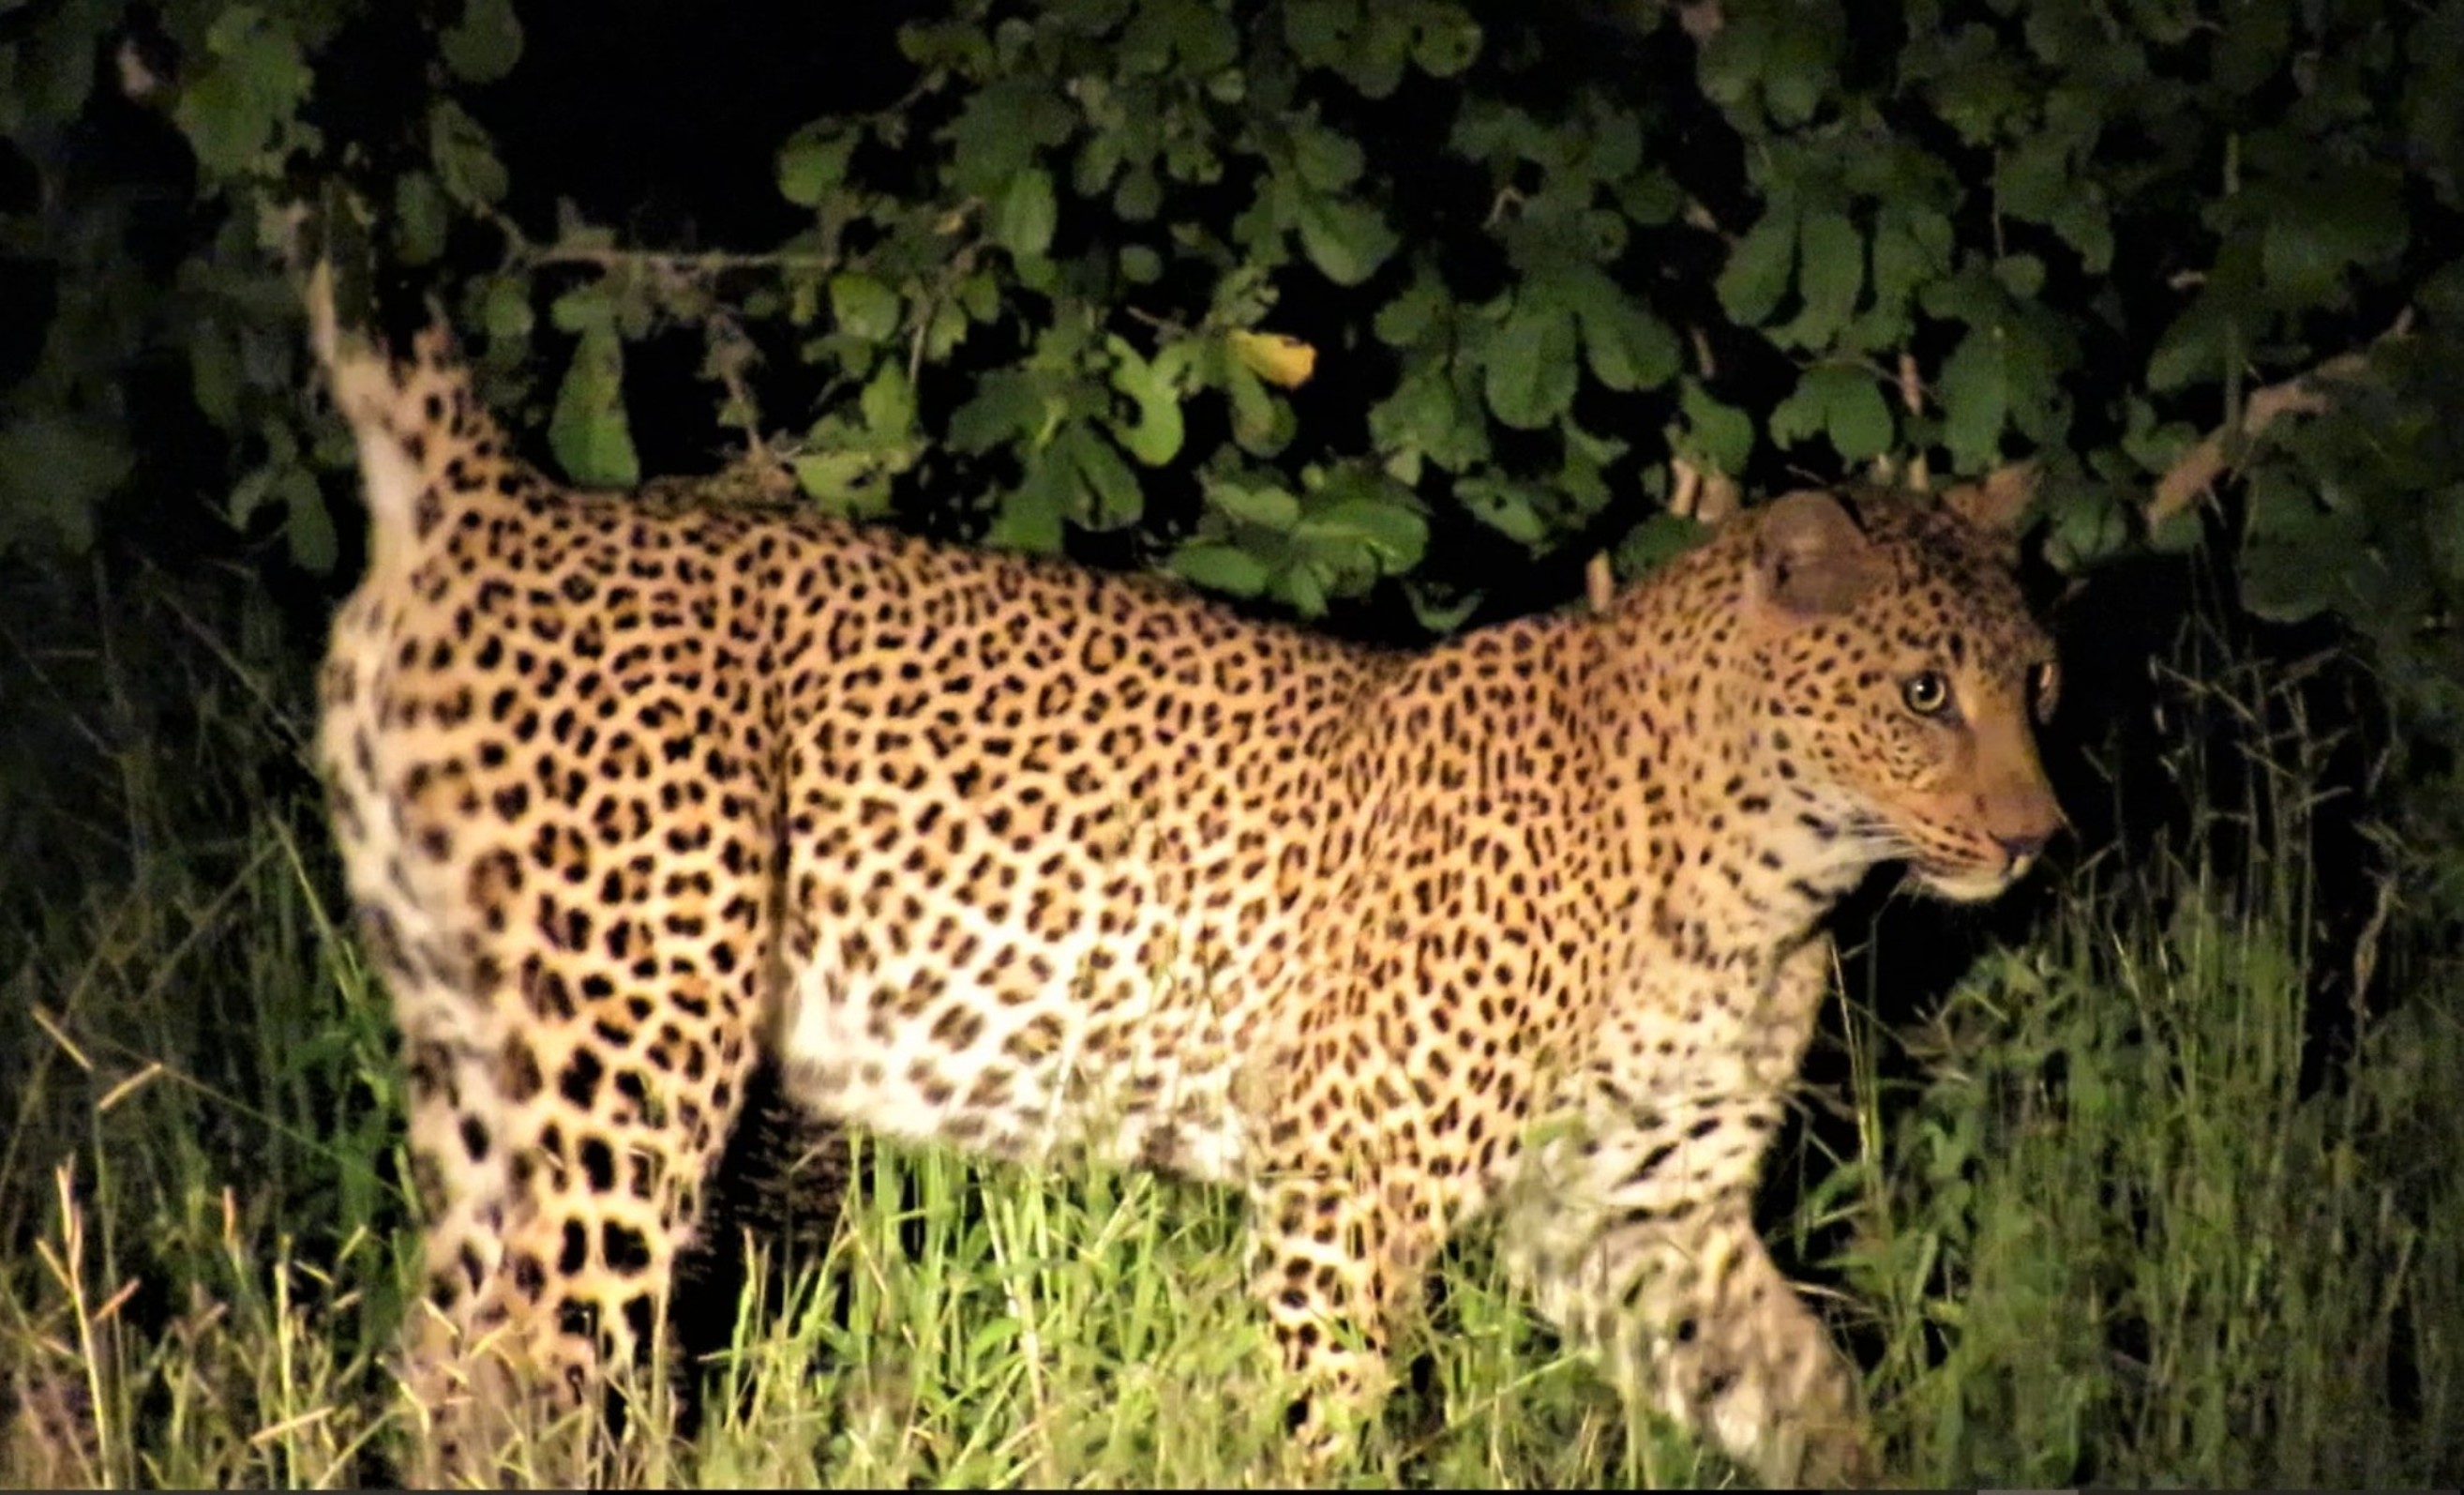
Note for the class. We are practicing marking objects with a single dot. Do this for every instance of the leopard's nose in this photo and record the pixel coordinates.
(2022, 848)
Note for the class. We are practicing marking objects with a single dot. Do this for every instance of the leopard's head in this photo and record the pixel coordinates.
(1906, 675)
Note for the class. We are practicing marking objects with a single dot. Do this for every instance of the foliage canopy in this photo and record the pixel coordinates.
(1300, 297)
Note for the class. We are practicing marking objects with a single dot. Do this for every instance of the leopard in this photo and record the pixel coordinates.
(1527, 927)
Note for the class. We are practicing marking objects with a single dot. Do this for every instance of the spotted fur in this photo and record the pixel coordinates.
(1059, 865)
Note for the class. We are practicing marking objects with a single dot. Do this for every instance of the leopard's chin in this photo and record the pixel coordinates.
(1969, 885)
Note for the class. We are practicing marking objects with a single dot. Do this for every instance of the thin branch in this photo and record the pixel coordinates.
(1600, 582)
(2199, 469)
(1706, 497)
(672, 262)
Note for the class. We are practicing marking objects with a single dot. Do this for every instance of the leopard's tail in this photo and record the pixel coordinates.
(409, 418)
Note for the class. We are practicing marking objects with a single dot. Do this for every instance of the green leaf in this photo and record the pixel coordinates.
(485, 44)
(2283, 583)
(1155, 438)
(1001, 127)
(56, 470)
(889, 402)
(1301, 588)
(506, 311)
(586, 308)
(946, 329)
(1427, 416)
(2250, 50)
(464, 157)
(1220, 567)
(308, 524)
(1591, 450)
(2194, 347)
(215, 373)
(254, 491)
(1386, 529)
(1159, 29)
(1379, 49)
(1114, 497)
(1008, 405)
(1265, 507)
(1346, 241)
(419, 217)
(982, 296)
(2177, 533)
(1031, 513)
(1859, 418)
(1720, 434)
(1912, 246)
(1099, 158)
(2033, 177)
(1976, 394)
(835, 479)
(1802, 61)
(1758, 273)
(1510, 508)
(1800, 415)
(1440, 610)
(1628, 346)
(1830, 273)
(1318, 31)
(1253, 409)
(1528, 376)
(1139, 197)
(1650, 197)
(863, 307)
(1413, 311)
(588, 432)
(1657, 540)
(1976, 84)
(2151, 445)
(1445, 41)
(2023, 275)
(1502, 135)
(242, 104)
(1843, 404)
(813, 163)
(2086, 225)
(1733, 58)
(2323, 228)
(1023, 224)
(47, 72)
(1328, 161)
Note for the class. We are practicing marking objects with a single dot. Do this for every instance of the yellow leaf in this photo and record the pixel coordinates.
(1277, 359)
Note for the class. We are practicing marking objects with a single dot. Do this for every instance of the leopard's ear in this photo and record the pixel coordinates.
(1996, 505)
(1809, 558)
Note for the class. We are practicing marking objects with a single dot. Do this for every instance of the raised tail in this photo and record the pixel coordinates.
(409, 416)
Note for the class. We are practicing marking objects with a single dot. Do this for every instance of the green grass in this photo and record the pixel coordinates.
(2098, 1228)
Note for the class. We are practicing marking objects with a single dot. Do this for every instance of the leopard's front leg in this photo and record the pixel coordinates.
(1630, 1222)
(1691, 1316)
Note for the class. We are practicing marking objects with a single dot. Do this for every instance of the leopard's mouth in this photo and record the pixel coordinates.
(1939, 865)
(1969, 883)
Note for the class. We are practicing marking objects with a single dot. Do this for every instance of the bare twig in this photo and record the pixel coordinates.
(1600, 582)
(2199, 468)
(1704, 363)
(1706, 497)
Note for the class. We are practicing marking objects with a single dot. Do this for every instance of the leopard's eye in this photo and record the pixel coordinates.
(2044, 689)
(1927, 692)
